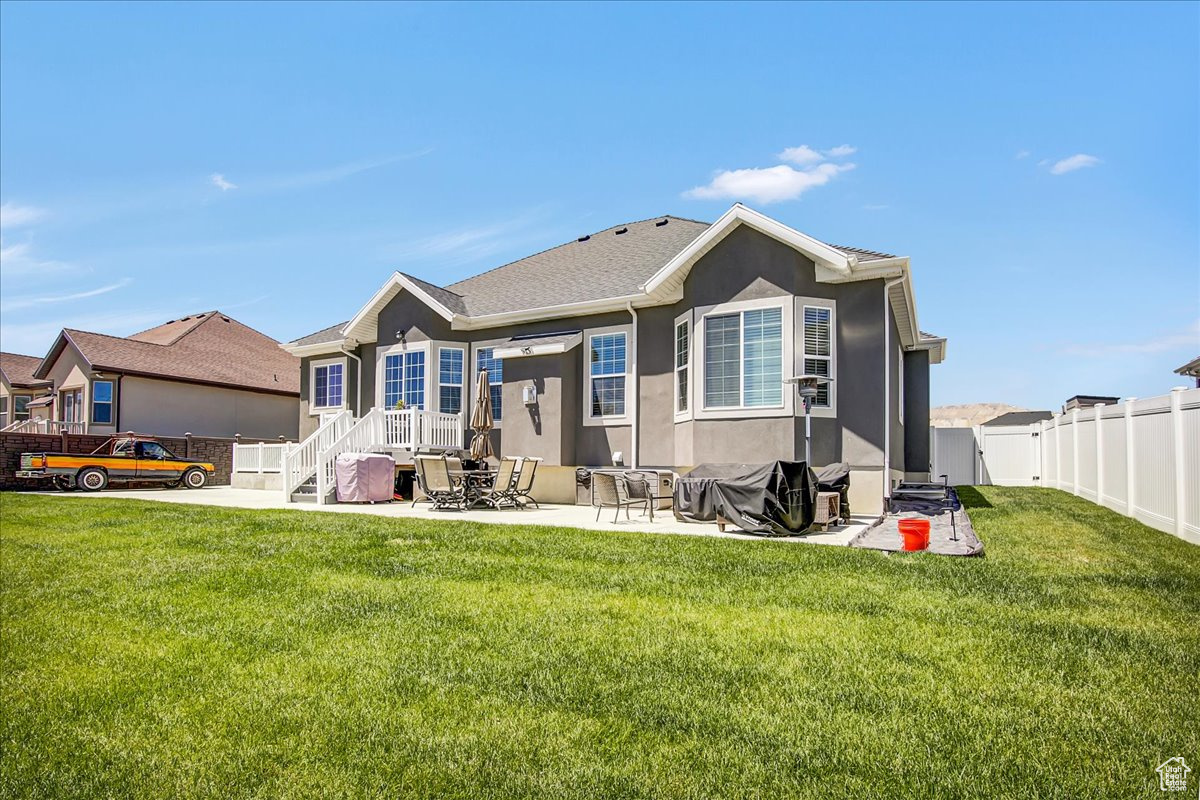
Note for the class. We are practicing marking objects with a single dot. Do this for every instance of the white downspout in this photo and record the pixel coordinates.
(357, 383)
(887, 390)
(633, 410)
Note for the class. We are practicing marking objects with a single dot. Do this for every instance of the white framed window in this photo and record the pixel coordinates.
(327, 385)
(3, 410)
(683, 359)
(102, 402)
(607, 359)
(485, 358)
(401, 376)
(817, 355)
(70, 405)
(450, 379)
(21, 406)
(743, 359)
(606, 377)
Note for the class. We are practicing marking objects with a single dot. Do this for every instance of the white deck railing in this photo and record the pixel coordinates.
(300, 463)
(410, 429)
(261, 458)
(52, 426)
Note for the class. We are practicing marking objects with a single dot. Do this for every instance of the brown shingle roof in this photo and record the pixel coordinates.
(204, 348)
(18, 370)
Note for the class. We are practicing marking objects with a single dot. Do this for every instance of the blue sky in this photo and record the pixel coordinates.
(1039, 164)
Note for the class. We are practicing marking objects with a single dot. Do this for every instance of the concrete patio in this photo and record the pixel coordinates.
(563, 516)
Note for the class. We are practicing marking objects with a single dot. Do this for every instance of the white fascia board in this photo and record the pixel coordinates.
(391, 287)
(317, 348)
(552, 312)
(818, 251)
(875, 269)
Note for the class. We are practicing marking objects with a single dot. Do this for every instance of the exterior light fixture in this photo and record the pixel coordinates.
(808, 386)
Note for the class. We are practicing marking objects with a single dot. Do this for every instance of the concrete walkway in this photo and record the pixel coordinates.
(549, 515)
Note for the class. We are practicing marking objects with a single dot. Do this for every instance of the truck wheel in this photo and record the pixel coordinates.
(64, 483)
(173, 484)
(195, 478)
(92, 479)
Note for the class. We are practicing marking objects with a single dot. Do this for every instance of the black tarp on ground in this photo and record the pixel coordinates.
(923, 498)
(776, 498)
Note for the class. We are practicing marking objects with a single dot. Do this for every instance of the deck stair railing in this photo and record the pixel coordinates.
(300, 462)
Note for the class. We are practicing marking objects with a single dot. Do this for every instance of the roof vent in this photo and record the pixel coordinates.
(184, 319)
(225, 318)
(622, 230)
(584, 238)
(661, 222)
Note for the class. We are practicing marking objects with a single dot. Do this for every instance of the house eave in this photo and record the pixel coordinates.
(316, 348)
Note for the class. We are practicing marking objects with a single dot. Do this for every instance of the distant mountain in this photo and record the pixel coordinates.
(968, 415)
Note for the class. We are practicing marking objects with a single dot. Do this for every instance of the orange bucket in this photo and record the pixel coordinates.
(914, 533)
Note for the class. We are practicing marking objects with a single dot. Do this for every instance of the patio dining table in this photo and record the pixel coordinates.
(474, 482)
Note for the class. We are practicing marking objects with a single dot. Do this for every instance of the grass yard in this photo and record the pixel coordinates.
(161, 650)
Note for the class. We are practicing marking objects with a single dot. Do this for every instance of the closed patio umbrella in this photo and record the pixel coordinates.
(482, 420)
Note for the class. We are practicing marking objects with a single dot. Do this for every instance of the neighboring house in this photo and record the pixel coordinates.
(205, 374)
(1088, 401)
(658, 344)
(18, 388)
(1191, 370)
(1019, 418)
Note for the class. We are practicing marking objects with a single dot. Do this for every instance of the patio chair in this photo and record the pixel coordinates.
(454, 463)
(420, 489)
(525, 482)
(500, 493)
(640, 486)
(438, 484)
(612, 491)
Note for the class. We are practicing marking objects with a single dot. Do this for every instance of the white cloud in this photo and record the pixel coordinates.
(31, 302)
(469, 244)
(36, 337)
(805, 155)
(1073, 163)
(18, 260)
(14, 216)
(1021, 154)
(767, 185)
(319, 177)
(801, 155)
(218, 180)
(1188, 338)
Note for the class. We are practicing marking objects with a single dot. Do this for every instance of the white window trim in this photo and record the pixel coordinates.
(111, 403)
(588, 335)
(494, 344)
(381, 355)
(683, 416)
(696, 360)
(313, 409)
(830, 411)
(461, 384)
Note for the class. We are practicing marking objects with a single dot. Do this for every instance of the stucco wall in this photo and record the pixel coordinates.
(168, 408)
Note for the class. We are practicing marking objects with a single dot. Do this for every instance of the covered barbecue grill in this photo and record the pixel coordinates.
(778, 498)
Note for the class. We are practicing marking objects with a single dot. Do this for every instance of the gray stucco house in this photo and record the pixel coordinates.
(662, 344)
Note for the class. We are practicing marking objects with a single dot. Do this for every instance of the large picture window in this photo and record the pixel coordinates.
(450, 380)
(404, 379)
(485, 358)
(102, 402)
(743, 359)
(607, 374)
(328, 385)
(818, 348)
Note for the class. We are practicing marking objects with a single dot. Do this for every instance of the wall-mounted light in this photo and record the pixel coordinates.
(400, 336)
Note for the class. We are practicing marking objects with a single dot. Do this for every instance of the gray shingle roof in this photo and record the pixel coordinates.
(611, 263)
(331, 334)
(1020, 418)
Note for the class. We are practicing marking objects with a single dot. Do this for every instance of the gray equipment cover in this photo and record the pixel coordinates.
(776, 498)
(364, 477)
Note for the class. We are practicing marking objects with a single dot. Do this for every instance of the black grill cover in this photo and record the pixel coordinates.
(777, 498)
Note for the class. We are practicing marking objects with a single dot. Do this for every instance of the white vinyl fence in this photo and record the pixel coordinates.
(261, 458)
(1141, 458)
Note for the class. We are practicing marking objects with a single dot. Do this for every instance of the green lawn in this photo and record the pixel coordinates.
(161, 650)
